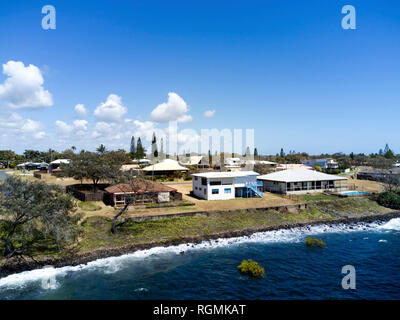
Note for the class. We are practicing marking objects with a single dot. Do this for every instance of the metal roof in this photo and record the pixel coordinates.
(230, 174)
(166, 165)
(299, 175)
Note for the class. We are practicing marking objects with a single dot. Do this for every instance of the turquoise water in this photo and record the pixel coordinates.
(208, 270)
(354, 192)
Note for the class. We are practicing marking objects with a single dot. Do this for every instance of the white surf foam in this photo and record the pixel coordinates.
(393, 224)
(114, 264)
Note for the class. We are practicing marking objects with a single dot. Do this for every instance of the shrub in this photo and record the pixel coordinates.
(389, 199)
(170, 178)
(313, 242)
(252, 268)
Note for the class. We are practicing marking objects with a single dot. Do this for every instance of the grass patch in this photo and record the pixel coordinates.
(88, 206)
(307, 198)
(182, 203)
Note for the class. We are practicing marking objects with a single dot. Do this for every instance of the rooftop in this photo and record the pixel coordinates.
(139, 187)
(299, 175)
(230, 174)
(166, 165)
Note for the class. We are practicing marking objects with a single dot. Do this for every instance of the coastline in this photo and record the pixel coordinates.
(9, 267)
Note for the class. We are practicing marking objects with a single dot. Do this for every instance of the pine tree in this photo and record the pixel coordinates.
(140, 152)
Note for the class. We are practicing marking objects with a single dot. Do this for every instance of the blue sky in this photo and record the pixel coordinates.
(287, 69)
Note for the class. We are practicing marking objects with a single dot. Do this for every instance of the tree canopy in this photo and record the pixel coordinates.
(33, 213)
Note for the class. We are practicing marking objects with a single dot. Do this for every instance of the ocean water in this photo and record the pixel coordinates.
(209, 270)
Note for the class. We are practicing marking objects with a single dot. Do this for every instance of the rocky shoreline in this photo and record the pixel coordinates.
(17, 265)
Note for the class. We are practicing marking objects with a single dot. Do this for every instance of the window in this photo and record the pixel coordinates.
(215, 191)
(205, 191)
(195, 178)
(195, 188)
(227, 190)
(204, 181)
(215, 183)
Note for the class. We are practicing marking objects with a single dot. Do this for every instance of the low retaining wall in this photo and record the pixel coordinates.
(288, 208)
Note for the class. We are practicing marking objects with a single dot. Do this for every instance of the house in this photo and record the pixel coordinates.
(57, 163)
(327, 164)
(33, 166)
(300, 181)
(226, 185)
(144, 192)
(288, 166)
(167, 167)
(196, 161)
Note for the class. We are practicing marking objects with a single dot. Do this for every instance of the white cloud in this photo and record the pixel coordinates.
(24, 86)
(31, 126)
(185, 118)
(209, 113)
(81, 110)
(174, 109)
(78, 127)
(110, 111)
(17, 129)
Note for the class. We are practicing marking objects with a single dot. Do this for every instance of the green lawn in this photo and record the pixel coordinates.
(88, 206)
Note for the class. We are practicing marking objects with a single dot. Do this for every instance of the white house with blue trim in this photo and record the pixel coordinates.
(226, 185)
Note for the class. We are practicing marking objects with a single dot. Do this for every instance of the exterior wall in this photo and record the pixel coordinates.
(227, 183)
(273, 186)
(206, 191)
(198, 188)
(298, 187)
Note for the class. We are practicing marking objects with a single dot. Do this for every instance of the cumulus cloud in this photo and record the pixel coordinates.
(13, 127)
(110, 111)
(185, 118)
(209, 113)
(174, 109)
(78, 127)
(81, 110)
(24, 86)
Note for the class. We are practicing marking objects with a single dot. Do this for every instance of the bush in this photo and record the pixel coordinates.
(252, 268)
(313, 242)
(389, 199)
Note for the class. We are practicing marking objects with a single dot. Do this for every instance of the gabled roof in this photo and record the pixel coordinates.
(299, 175)
(166, 165)
(140, 187)
(193, 160)
(228, 174)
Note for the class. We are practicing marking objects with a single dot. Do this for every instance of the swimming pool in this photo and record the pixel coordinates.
(354, 193)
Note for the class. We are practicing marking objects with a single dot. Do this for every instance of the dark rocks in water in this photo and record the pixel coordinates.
(182, 252)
